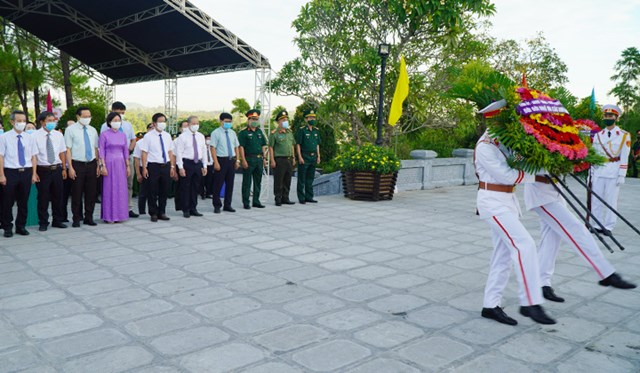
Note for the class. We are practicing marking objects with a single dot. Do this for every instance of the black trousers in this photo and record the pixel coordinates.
(226, 175)
(86, 183)
(50, 191)
(282, 178)
(67, 185)
(176, 195)
(206, 187)
(143, 195)
(158, 187)
(16, 191)
(190, 185)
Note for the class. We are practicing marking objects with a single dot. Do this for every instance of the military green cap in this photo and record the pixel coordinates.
(309, 113)
(253, 113)
(282, 114)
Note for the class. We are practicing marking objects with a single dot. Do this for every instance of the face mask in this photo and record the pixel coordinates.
(51, 126)
(194, 128)
(182, 129)
(116, 125)
(84, 121)
(1, 131)
(285, 125)
(608, 122)
(312, 122)
(30, 131)
(122, 117)
(208, 142)
(20, 126)
(161, 126)
(226, 125)
(255, 124)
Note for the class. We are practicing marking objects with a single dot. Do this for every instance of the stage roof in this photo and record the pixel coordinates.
(133, 41)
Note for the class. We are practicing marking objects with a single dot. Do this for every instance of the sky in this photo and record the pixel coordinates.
(588, 35)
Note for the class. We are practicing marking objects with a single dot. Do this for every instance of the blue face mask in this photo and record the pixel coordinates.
(285, 125)
(51, 126)
(1, 131)
(29, 131)
(226, 125)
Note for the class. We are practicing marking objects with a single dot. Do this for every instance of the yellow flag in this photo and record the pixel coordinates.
(402, 91)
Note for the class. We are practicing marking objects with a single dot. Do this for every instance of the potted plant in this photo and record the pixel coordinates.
(369, 172)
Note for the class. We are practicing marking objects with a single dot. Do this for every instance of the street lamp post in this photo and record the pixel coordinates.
(383, 52)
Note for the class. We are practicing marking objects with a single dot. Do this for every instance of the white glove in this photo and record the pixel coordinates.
(620, 180)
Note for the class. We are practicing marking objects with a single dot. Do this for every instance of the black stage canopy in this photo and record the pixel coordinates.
(133, 41)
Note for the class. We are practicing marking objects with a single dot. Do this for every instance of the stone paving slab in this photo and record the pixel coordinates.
(338, 286)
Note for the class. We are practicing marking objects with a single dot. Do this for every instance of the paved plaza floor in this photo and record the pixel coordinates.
(339, 286)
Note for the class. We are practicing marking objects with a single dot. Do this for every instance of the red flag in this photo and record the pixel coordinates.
(524, 79)
(49, 102)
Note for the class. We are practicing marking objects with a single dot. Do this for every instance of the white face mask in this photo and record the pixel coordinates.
(116, 125)
(194, 128)
(208, 142)
(84, 121)
(19, 126)
(122, 117)
(161, 126)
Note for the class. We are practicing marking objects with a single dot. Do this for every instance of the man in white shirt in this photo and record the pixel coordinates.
(206, 189)
(143, 192)
(82, 148)
(158, 166)
(127, 129)
(614, 144)
(224, 150)
(17, 172)
(52, 170)
(191, 160)
(184, 126)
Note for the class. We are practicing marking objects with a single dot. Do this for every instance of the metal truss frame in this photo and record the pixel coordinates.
(188, 73)
(263, 97)
(62, 9)
(171, 103)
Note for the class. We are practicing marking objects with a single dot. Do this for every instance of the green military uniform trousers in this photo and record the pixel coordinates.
(282, 178)
(252, 173)
(306, 174)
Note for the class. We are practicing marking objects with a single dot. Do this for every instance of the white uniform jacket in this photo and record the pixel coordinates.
(490, 160)
(616, 146)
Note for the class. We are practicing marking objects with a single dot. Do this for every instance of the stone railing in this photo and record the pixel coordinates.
(424, 171)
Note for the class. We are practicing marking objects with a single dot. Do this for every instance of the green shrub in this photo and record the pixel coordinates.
(368, 158)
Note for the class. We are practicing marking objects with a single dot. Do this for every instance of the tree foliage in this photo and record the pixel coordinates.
(627, 79)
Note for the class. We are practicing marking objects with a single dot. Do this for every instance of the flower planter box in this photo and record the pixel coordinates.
(368, 186)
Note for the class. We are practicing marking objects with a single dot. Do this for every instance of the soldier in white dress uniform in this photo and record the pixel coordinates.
(613, 143)
(498, 206)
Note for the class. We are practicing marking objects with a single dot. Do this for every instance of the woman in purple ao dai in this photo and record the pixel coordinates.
(114, 161)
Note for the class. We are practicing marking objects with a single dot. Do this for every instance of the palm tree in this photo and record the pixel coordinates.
(627, 78)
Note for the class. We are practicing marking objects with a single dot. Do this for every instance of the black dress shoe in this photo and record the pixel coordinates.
(8, 233)
(195, 213)
(312, 201)
(186, 214)
(76, 224)
(90, 222)
(536, 313)
(22, 231)
(229, 209)
(258, 205)
(43, 228)
(278, 203)
(65, 220)
(247, 207)
(301, 202)
(617, 282)
(154, 218)
(216, 210)
(142, 212)
(133, 214)
(163, 217)
(59, 225)
(549, 294)
(499, 315)
(289, 203)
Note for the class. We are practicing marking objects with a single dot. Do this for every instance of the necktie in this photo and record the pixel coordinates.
(208, 155)
(88, 153)
(609, 133)
(229, 145)
(21, 159)
(51, 155)
(195, 149)
(164, 154)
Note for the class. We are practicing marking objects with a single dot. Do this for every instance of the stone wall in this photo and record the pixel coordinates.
(423, 171)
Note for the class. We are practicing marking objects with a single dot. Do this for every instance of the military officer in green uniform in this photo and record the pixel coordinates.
(253, 144)
(281, 150)
(308, 149)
